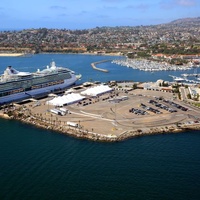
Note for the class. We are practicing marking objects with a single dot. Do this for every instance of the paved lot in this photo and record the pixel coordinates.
(104, 117)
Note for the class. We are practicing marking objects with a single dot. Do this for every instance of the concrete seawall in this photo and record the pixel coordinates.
(99, 69)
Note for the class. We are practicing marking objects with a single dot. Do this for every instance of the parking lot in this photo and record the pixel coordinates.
(119, 111)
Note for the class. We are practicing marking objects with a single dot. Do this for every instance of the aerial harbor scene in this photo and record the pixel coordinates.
(95, 109)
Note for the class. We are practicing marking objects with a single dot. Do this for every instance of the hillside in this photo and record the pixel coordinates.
(182, 34)
(187, 21)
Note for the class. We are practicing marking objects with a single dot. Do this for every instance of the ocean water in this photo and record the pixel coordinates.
(41, 164)
(81, 64)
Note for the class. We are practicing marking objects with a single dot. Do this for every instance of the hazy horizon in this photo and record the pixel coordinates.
(19, 29)
(62, 14)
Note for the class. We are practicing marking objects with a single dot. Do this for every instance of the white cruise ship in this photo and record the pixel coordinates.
(16, 86)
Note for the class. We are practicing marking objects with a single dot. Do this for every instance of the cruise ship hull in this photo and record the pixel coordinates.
(37, 85)
(36, 93)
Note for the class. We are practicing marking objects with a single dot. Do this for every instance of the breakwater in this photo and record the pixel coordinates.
(99, 69)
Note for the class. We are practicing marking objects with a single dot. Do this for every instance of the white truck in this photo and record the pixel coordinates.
(57, 112)
(73, 124)
(66, 111)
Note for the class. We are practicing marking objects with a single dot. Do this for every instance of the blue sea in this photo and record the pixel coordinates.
(41, 164)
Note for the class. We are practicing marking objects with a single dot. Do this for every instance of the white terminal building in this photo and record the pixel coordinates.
(76, 97)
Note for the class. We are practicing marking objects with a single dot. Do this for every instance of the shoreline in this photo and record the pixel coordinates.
(11, 54)
(86, 53)
(85, 134)
(100, 118)
(24, 115)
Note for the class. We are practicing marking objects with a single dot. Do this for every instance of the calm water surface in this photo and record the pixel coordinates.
(41, 164)
(82, 64)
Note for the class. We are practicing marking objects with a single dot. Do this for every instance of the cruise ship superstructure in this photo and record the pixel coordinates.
(15, 85)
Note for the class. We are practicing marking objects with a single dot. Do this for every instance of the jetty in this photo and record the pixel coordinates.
(99, 69)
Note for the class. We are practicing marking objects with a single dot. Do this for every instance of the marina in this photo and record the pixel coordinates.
(155, 66)
(193, 75)
(184, 79)
(151, 66)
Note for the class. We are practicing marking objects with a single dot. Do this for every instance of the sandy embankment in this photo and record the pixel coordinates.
(11, 54)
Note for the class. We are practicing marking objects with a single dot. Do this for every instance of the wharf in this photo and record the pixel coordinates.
(100, 119)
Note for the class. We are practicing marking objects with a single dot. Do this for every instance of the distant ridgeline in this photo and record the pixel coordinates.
(179, 36)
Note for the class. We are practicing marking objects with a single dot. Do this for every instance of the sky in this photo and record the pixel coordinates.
(85, 14)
